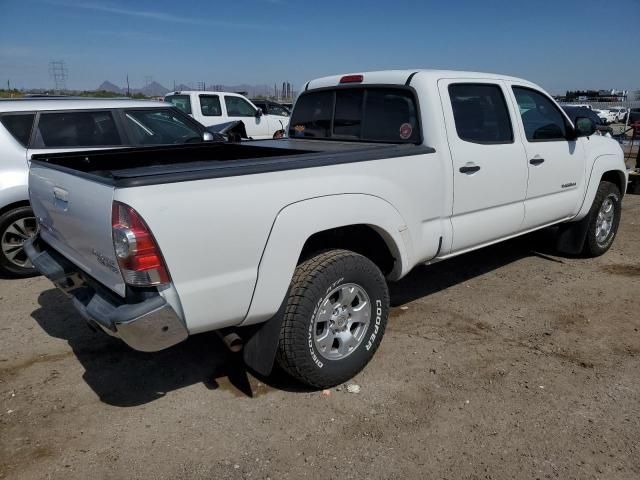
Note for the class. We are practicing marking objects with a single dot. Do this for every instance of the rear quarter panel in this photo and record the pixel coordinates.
(213, 232)
(14, 170)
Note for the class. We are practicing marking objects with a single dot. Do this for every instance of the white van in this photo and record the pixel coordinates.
(214, 108)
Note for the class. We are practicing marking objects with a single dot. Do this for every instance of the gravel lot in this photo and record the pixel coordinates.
(509, 362)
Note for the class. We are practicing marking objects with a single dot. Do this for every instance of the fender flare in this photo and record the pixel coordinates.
(601, 165)
(296, 222)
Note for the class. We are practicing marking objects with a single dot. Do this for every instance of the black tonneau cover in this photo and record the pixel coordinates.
(130, 167)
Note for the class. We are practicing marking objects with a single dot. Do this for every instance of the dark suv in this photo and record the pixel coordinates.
(271, 108)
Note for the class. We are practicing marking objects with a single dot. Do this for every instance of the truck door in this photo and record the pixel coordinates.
(240, 109)
(209, 110)
(489, 162)
(556, 165)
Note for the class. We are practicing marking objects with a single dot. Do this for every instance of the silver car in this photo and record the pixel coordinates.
(34, 126)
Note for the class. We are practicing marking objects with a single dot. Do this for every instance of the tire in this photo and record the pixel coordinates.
(327, 279)
(16, 226)
(597, 242)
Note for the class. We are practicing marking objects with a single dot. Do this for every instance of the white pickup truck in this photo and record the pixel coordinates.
(289, 243)
(215, 108)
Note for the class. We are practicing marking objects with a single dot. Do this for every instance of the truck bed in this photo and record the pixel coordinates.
(139, 166)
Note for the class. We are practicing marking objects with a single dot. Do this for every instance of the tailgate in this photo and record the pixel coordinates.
(74, 214)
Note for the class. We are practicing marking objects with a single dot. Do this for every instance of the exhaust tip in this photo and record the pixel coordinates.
(232, 341)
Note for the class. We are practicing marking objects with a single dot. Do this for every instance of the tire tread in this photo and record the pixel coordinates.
(293, 345)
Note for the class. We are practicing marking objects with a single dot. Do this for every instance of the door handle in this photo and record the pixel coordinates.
(469, 169)
(61, 198)
(536, 161)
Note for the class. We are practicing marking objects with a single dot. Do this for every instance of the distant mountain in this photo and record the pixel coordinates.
(153, 89)
(110, 87)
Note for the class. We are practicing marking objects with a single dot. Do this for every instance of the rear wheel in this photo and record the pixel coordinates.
(16, 227)
(335, 318)
(604, 218)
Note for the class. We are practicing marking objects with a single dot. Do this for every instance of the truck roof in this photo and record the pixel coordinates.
(73, 103)
(204, 92)
(400, 77)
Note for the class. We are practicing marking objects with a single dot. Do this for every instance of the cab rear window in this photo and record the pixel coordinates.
(373, 114)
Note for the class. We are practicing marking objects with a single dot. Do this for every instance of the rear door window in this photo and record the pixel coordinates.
(377, 114)
(19, 125)
(480, 113)
(210, 106)
(76, 129)
(183, 102)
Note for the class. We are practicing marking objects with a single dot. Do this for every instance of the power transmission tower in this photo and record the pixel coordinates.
(59, 74)
(200, 86)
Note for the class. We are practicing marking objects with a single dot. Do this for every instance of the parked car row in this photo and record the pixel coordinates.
(290, 242)
(634, 116)
(615, 114)
(575, 112)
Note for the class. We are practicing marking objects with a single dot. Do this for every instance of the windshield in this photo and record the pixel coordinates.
(160, 127)
(375, 114)
(183, 102)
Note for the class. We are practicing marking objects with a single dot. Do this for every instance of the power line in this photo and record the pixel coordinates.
(59, 74)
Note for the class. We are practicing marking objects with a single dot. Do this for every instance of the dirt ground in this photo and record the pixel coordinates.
(510, 362)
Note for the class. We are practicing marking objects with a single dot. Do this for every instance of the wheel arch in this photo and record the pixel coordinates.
(13, 206)
(607, 168)
(366, 240)
(617, 178)
(325, 222)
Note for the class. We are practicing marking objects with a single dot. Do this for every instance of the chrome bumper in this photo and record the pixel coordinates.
(148, 325)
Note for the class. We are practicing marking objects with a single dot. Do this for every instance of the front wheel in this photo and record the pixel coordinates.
(335, 318)
(604, 218)
(16, 227)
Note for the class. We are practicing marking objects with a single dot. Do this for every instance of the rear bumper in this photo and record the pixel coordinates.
(148, 325)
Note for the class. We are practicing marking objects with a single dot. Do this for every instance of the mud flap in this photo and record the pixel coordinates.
(571, 236)
(259, 351)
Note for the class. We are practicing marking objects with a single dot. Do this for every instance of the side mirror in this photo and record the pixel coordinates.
(207, 137)
(585, 127)
(258, 112)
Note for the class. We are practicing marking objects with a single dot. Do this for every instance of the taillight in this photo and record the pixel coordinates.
(136, 250)
(352, 79)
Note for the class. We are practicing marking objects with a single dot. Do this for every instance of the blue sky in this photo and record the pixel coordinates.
(558, 44)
